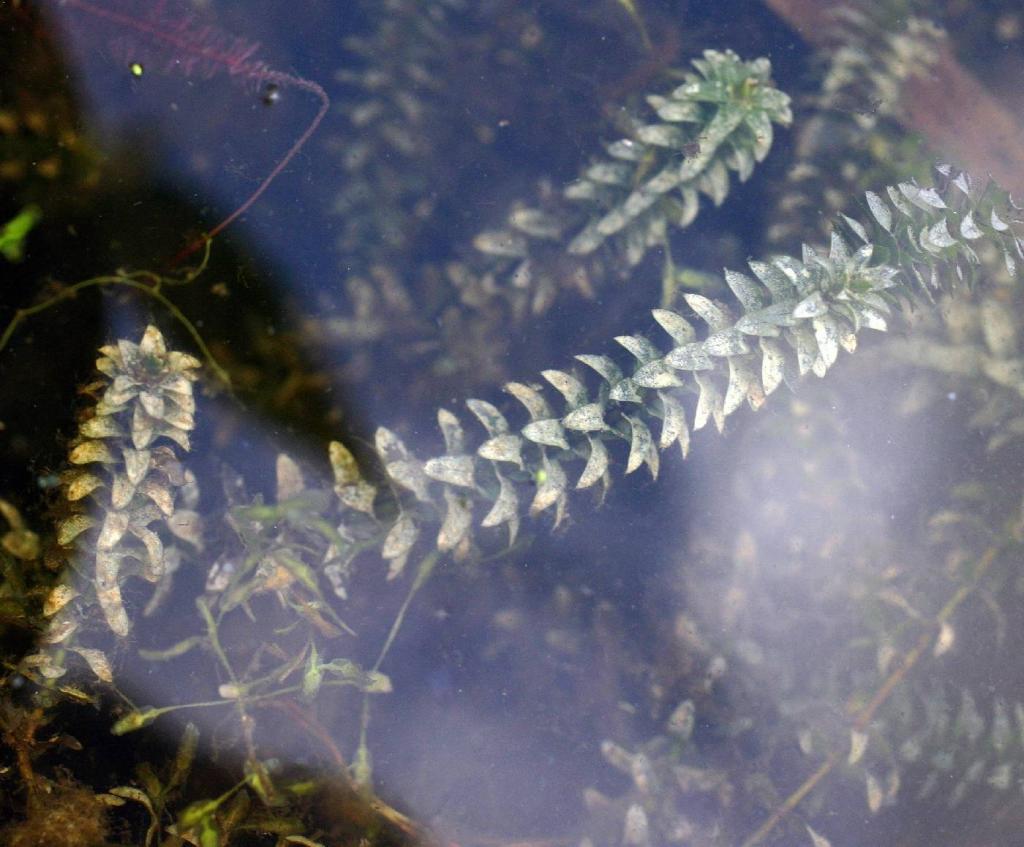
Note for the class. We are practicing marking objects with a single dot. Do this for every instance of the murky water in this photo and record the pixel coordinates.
(257, 589)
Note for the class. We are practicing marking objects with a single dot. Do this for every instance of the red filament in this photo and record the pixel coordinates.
(196, 48)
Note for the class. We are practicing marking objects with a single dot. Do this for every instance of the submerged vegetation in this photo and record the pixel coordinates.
(195, 655)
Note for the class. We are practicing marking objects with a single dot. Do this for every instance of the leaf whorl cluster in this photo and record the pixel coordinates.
(395, 108)
(935, 235)
(719, 120)
(942, 745)
(788, 317)
(971, 347)
(667, 795)
(941, 738)
(881, 49)
(849, 137)
(126, 482)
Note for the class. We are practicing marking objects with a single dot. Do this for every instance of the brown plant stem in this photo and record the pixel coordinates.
(865, 715)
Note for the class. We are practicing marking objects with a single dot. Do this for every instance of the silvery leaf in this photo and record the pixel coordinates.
(689, 357)
(743, 386)
(605, 366)
(452, 470)
(532, 399)
(97, 662)
(161, 495)
(715, 315)
(115, 524)
(872, 318)
(680, 329)
(400, 538)
(780, 286)
(641, 348)
(505, 507)
(748, 292)
(661, 135)
(727, 342)
(409, 474)
(502, 448)
(802, 339)
(838, 251)
(121, 492)
(610, 173)
(625, 391)
(597, 463)
(710, 403)
(587, 241)
(536, 223)
(625, 149)
(897, 199)
(458, 519)
(656, 374)
(811, 307)
(574, 392)
(767, 321)
(968, 228)
(548, 432)
(550, 491)
(673, 424)
(641, 447)
(679, 111)
(143, 428)
(451, 429)
(586, 418)
(153, 568)
(493, 420)
(826, 333)
(773, 363)
(187, 526)
(857, 228)
(288, 477)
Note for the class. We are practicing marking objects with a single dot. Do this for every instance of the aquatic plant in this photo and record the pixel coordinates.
(126, 465)
(847, 134)
(276, 578)
(720, 119)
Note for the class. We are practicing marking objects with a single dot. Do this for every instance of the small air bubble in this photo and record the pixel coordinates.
(271, 94)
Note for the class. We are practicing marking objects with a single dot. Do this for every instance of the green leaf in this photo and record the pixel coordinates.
(137, 720)
(184, 757)
(209, 833)
(16, 230)
(172, 652)
(313, 675)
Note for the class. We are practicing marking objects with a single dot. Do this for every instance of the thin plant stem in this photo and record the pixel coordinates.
(147, 283)
(865, 715)
(426, 568)
(242, 65)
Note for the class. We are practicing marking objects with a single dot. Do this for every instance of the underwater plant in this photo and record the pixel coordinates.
(273, 621)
